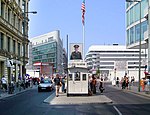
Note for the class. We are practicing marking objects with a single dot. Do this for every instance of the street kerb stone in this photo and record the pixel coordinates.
(63, 99)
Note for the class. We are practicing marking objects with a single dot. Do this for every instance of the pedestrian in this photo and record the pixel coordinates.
(117, 81)
(63, 84)
(142, 83)
(101, 88)
(4, 83)
(127, 82)
(94, 84)
(123, 81)
(132, 80)
(57, 84)
(90, 83)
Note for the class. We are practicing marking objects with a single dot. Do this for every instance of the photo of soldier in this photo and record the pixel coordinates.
(76, 54)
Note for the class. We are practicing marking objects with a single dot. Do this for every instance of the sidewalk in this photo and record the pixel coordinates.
(62, 99)
(4, 94)
(134, 90)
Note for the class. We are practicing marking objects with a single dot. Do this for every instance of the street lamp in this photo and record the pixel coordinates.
(24, 37)
(139, 1)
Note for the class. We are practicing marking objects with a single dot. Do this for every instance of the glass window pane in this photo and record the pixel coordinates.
(84, 77)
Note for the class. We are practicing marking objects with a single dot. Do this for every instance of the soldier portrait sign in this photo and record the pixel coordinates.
(75, 51)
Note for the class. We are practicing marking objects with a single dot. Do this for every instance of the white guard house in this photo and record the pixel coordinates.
(77, 78)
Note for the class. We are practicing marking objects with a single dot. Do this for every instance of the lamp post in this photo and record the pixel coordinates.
(67, 67)
(139, 1)
(24, 37)
(148, 36)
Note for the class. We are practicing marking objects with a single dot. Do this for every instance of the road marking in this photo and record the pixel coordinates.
(117, 110)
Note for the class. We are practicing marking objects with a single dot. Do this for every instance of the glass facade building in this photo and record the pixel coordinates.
(133, 23)
(48, 48)
(45, 53)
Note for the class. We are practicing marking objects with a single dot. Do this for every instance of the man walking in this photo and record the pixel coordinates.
(4, 83)
(57, 84)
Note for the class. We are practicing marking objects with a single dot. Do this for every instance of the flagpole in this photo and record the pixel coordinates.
(83, 40)
(83, 23)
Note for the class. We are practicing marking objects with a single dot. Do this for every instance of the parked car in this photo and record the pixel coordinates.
(45, 85)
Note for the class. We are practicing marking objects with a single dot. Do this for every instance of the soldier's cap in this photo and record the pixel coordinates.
(76, 46)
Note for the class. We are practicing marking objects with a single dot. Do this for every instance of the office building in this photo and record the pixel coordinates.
(48, 48)
(133, 20)
(115, 60)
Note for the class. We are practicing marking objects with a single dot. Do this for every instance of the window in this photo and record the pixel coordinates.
(19, 2)
(9, 15)
(18, 49)
(127, 19)
(144, 5)
(50, 39)
(84, 77)
(2, 9)
(19, 24)
(128, 37)
(131, 15)
(137, 32)
(1, 40)
(132, 35)
(77, 76)
(137, 12)
(70, 77)
(14, 46)
(143, 29)
(8, 44)
(14, 20)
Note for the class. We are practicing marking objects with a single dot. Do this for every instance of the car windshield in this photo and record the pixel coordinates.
(46, 81)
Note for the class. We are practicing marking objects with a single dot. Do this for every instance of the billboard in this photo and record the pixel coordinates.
(76, 51)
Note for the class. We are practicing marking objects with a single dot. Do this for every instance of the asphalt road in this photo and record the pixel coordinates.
(31, 103)
(128, 103)
(26, 103)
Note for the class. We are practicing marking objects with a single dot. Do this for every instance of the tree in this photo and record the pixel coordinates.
(98, 72)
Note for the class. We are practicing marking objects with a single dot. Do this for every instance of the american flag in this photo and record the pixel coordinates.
(83, 11)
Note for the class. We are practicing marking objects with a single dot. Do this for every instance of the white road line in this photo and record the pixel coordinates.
(117, 110)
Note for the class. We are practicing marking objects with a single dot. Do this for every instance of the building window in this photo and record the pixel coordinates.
(8, 44)
(137, 32)
(143, 29)
(132, 35)
(9, 15)
(19, 24)
(19, 3)
(50, 39)
(84, 77)
(137, 12)
(2, 9)
(77, 76)
(14, 20)
(18, 49)
(1, 40)
(14, 46)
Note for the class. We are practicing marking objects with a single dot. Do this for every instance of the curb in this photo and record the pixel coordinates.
(140, 94)
(133, 92)
(77, 100)
(47, 100)
(13, 94)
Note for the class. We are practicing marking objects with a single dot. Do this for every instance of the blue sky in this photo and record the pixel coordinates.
(104, 20)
